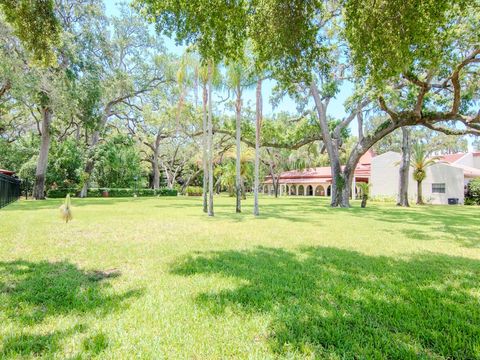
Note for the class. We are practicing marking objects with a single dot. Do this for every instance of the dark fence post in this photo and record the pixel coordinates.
(9, 189)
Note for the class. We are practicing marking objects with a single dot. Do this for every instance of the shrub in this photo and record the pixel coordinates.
(114, 192)
(473, 193)
(96, 192)
(167, 192)
(146, 192)
(194, 191)
(61, 192)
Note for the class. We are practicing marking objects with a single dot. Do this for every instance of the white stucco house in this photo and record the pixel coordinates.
(447, 179)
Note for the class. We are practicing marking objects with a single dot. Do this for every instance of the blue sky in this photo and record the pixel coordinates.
(336, 109)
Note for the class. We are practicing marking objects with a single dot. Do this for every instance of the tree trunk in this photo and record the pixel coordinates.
(238, 179)
(41, 171)
(258, 126)
(205, 153)
(364, 200)
(339, 182)
(419, 193)
(210, 142)
(155, 165)
(404, 167)
(275, 186)
(348, 174)
(90, 165)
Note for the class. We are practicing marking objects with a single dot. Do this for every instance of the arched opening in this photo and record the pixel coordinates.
(283, 189)
(329, 190)
(265, 189)
(293, 190)
(301, 190)
(309, 190)
(319, 191)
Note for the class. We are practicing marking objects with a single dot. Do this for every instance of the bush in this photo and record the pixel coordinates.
(115, 192)
(61, 192)
(98, 192)
(473, 193)
(194, 191)
(469, 201)
(167, 192)
(146, 192)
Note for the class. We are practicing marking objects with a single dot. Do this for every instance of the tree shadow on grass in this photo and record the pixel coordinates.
(461, 224)
(33, 205)
(328, 302)
(31, 292)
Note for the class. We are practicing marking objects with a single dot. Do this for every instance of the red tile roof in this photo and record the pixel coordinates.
(451, 158)
(7, 172)
(318, 174)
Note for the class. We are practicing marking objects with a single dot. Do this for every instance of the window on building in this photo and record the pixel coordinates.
(438, 188)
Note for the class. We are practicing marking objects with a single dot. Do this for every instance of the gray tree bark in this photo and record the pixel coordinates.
(238, 179)
(41, 171)
(89, 166)
(205, 150)
(210, 142)
(155, 165)
(419, 193)
(340, 187)
(404, 169)
(258, 126)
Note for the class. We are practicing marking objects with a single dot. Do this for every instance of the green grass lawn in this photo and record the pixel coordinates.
(156, 278)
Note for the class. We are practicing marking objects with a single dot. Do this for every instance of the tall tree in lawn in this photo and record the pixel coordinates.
(216, 40)
(404, 167)
(136, 65)
(396, 80)
(210, 140)
(420, 162)
(55, 86)
(238, 78)
(258, 127)
(203, 75)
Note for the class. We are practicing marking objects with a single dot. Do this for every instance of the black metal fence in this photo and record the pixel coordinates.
(9, 190)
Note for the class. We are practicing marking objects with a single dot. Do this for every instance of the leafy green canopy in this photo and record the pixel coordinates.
(284, 33)
(389, 37)
(216, 27)
(35, 25)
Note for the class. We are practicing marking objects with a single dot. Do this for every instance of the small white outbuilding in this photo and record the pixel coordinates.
(445, 180)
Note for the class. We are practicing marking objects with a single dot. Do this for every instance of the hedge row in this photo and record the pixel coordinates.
(473, 193)
(194, 191)
(98, 192)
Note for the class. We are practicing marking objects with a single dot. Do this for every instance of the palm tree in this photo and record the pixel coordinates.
(420, 161)
(210, 77)
(203, 74)
(210, 140)
(238, 79)
(246, 162)
(235, 77)
(258, 126)
(365, 191)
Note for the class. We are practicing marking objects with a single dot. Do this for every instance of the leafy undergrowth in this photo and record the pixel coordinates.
(156, 278)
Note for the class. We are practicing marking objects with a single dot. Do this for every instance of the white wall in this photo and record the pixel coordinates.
(384, 174)
(453, 179)
(466, 160)
(385, 180)
(476, 162)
